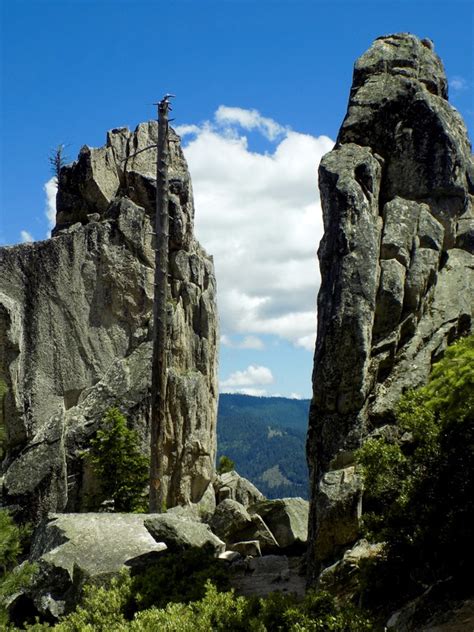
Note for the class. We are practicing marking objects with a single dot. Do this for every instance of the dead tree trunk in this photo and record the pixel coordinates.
(159, 368)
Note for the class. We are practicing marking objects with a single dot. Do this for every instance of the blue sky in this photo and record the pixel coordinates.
(261, 87)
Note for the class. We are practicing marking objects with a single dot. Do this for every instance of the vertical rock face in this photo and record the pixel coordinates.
(396, 262)
(75, 329)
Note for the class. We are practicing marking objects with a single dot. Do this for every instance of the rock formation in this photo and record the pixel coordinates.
(75, 335)
(396, 262)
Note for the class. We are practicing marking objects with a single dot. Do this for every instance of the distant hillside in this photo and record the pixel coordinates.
(266, 437)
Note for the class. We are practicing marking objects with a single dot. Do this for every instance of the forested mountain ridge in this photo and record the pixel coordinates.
(265, 437)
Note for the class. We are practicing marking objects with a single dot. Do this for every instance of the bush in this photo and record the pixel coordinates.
(226, 464)
(177, 577)
(12, 577)
(121, 468)
(420, 492)
(103, 610)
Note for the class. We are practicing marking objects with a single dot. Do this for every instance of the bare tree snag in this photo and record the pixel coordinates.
(159, 368)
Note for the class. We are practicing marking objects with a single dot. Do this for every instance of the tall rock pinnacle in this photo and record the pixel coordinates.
(75, 339)
(397, 266)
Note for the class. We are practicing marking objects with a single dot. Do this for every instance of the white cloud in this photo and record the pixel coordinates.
(252, 377)
(51, 188)
(255, 392)
(26, 237)
(249, 120)
(186, 130)
(249, 342)
(295, 396)
(259, 215)
(458, 84)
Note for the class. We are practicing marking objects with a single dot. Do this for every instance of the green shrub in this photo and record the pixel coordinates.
(420, 492)
(177, 577)
(120, 466)
(226, 464)
(12, 577)
(103, 609)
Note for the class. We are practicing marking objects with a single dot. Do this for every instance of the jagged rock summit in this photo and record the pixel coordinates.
(396, 262)
(75, 337)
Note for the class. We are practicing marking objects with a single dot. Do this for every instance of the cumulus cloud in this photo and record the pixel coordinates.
(249, 120)
(249, 381)
(259, 215)
(26, 237)
(51, 188)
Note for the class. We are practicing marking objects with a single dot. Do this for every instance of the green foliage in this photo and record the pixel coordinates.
(3, 434)
(103, 610)
(420, 491)
(12, 577)
(225, 465)
(278, 427)
(177, 577)
(120, 466)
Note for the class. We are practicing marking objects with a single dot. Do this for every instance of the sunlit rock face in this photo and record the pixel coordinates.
(396, 262)
(75, 329)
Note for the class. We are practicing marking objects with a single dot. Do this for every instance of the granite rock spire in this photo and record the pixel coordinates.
(396, 262)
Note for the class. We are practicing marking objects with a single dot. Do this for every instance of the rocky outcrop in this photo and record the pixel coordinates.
(232, 485)
(232, 522)
(287, 519)
(72, 549)
(75, 338)
(344, 578)
(396, 263)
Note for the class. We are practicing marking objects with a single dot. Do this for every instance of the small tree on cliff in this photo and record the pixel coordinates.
(119, 464)
(57, 160)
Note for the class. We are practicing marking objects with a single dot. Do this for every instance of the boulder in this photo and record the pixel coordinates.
(397, 271)
(447, 606)
(179, 533)
(90, 289)
(342, 579)
(232, 485)
(71, 549)
(249, 548)
(229, 556)
(201, 511)
(232, 522)
(287, 519)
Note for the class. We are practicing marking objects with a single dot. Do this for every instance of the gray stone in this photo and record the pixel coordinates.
(233, 523)
(229, 556)
(342, 579)
(287, 519)
(71, 549)
(397, 271)
(339, 500)
(260, 576)
(247, 548)
(75, 327)
(232, 485)
(179, 533)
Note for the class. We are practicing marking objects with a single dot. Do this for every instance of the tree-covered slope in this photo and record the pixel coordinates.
(265, 437)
